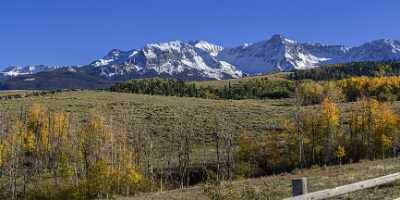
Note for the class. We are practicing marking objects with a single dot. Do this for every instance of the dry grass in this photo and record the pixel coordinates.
(318, 178)
(255, 115)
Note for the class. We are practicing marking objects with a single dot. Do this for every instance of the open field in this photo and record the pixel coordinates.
(255, 115)
(258, 116)
(163, 117)
(279, 186)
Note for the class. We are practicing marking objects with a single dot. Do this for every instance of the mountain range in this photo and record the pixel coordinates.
(201, 60)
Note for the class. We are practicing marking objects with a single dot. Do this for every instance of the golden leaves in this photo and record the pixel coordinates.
(330, 113)
(383, 88)
(340, 152)
(2, 147)
(29, 141)
(46, 142)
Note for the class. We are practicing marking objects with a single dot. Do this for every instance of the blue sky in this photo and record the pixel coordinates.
(80, 31)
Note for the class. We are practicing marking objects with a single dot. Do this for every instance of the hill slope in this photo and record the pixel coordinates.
(279, 187)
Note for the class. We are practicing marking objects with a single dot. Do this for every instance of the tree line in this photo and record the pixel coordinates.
(383, 88)
(386, 88)
(259, 88)
(347, 70)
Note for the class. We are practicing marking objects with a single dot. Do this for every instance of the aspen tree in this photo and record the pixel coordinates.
(330, 124)
(299, 126)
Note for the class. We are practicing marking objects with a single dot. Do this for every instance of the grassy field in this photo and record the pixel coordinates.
(204, 116)
(279, 186)
(255, 115)
(164, 115)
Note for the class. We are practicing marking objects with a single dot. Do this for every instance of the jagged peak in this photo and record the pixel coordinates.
(384, 44)
(386, 41)
(175, 44)
(281, 39)
(277, 37)
(213, 49)
(194, 42)
(114, 53)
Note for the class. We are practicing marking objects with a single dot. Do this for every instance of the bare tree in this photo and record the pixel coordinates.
(299, 125)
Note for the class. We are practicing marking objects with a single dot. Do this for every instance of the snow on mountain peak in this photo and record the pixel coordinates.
(208, 47)
(172, 45)
(279, 54)
(115, 56)
(383, 49)
(173, 58)
(13, 71)
(203, 60)
(246, 45)
(281, 39)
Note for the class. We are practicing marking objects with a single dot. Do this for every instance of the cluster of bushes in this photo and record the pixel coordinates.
(252, 89)
(347, 70)
(271, 153)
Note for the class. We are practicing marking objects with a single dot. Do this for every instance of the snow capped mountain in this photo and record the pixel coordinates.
(193, 59)
(115, 56)
(212, 49)
(384, 49)
(199, 59)
(280, 54)
(12, 71)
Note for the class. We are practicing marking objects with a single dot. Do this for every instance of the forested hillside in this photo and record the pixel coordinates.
(256, 88)
(347, 70)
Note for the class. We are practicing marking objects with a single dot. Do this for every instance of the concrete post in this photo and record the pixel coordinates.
(299, 186)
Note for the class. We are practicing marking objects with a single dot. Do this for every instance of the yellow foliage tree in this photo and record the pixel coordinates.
(108, 163)
(330, 125)
(29, 141)
(385, 124)
(87, 161)
(340, 153)
(2, 152)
